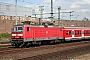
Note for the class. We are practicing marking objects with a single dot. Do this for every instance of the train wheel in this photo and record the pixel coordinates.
(52, 42)
(39, 43)
(23, 45)
(43, 42)
(48, 42)
(16, 45)
(63, 40)
(12, 43)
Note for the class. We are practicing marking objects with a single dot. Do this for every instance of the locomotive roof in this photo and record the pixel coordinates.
(42, 26)
(18, 25)
(39, 26)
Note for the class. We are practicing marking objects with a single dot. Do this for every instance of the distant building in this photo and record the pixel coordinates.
(9, 10)
(8, 21)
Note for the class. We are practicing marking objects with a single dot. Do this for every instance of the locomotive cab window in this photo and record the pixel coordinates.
(14, 29)
(61, 28)
(17, 28)
(20, 28)
(28, 29)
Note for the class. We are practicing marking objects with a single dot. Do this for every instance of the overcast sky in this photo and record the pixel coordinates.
(81, 8)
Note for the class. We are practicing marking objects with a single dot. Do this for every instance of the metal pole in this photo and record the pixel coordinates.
(33, 13)
(52, 10)
(76, 22)
(71, 15)
(59, 21)
(85, 22)
(41, 9)
(35, 18)
(16, 11)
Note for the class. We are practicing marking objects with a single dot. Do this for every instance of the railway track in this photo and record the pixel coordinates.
(68, 54)
(11, 48)
(20, 53)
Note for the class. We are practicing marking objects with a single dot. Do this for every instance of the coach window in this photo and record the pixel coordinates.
(79, 32)
(67, 32)
(88, 32)
(27, 28)
(84, 32)
(76, 32)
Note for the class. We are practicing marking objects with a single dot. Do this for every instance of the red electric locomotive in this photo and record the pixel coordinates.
(24, 34)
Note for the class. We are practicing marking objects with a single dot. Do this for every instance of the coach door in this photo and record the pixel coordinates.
(82, 33)
(72, 33)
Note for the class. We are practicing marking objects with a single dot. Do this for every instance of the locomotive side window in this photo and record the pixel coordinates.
(60, 29)
(27, 28)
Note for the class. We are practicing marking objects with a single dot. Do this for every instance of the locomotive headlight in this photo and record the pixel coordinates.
(20, 34)
(13, 34)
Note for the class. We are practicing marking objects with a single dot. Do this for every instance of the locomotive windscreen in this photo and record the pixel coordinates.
(17, 28)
